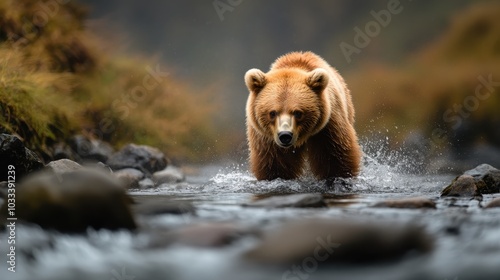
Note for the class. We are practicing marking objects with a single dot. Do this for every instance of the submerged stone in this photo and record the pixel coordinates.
(216, 234)
(409, 203)
(324, 242)
(155, 205)
(292, 200)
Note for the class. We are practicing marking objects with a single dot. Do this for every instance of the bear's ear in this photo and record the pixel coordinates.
(255, 80)
(317, 80)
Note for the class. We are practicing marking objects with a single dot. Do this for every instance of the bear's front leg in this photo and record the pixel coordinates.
(334, 153)
(268, 161)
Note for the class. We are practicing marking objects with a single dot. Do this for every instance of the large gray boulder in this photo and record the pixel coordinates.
(144, 158)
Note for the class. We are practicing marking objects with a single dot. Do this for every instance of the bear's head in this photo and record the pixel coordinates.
(288, 105)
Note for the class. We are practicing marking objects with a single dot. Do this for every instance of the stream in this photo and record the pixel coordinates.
(466, 237)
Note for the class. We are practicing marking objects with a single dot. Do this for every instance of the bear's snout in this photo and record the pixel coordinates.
(285, 138)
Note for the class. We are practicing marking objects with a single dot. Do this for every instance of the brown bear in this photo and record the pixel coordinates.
(300, 110)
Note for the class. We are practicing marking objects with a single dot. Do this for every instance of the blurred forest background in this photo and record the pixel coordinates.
(84, 68)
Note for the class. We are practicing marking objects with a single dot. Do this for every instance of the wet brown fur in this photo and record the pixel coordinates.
(326, 136)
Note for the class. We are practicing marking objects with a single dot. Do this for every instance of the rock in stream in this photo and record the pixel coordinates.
(484, 179)
(408, 203)
(292, 200)
(144, 158)
(13, 152)
(330, 241)
(72, 199)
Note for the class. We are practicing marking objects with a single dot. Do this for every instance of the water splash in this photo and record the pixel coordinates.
(384, 170)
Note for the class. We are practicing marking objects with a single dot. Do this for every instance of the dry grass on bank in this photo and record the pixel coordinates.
(55, 80)
(423, 93)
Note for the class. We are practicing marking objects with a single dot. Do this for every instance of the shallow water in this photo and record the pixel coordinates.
(467, 237)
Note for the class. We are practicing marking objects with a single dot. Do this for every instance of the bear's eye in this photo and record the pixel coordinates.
(272, 114)
(298, 115)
